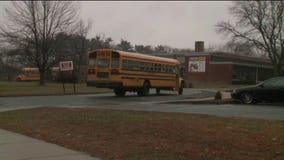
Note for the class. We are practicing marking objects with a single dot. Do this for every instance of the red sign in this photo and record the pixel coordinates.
(66, 66)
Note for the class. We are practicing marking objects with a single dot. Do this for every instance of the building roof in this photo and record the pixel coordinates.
(228, 58)
(221, 54)
(232, 55)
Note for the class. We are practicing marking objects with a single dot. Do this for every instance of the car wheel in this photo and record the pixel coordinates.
(247, 98)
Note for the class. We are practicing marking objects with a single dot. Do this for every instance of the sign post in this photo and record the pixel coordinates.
(67, 66)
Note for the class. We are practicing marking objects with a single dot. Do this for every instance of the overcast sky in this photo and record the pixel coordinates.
(177, 24)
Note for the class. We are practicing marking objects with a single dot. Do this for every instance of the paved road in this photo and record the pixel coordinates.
(107, 99)
(133, 102)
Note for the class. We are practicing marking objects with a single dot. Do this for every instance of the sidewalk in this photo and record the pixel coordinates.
(14, 146)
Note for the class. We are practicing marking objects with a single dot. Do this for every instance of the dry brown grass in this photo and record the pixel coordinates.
(33, 88)
(132, 135)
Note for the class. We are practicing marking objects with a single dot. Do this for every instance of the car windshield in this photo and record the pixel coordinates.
(274, 82)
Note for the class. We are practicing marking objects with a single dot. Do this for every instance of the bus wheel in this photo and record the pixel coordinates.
(180, 90)
(158, 90)
(144, 91)
(119, 92)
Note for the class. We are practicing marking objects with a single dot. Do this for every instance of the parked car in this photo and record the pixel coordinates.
(271, 90)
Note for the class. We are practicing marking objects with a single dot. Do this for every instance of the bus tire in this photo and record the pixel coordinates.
(119, 92)
(144, 91)
(158, 91)
(180, 90)
(139, 92)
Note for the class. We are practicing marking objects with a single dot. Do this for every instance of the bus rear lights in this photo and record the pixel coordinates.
(91, 71)
(114, 71)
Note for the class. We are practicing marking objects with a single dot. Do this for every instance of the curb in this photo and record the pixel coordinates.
(210, 100)
(224, 97)
(57, 94)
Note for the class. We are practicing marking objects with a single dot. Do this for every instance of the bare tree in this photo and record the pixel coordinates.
(83, 30)
(35, 24)
(243, 48)
(259, 23)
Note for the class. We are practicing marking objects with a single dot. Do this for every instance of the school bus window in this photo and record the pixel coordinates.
(142, 66)
(124, 64)
(159, 67)
(152, 67)
(155, 67)
(173, 70)
(136, 66)
(103, 63)
(147, 67)
(176, 70)
(168, 69)
(132, 65)
(163, 68)
(114, 62)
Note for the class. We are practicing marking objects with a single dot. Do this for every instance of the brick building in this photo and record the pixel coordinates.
(222, 67)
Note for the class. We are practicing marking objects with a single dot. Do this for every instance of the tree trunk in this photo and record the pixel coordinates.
(81, 58)
(42, 78)
(277, 70)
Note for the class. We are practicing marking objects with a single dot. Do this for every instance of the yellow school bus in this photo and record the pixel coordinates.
(134, 72)
(32, 74)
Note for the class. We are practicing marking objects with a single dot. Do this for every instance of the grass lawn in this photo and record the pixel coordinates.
(133, 135)
(33, 88)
